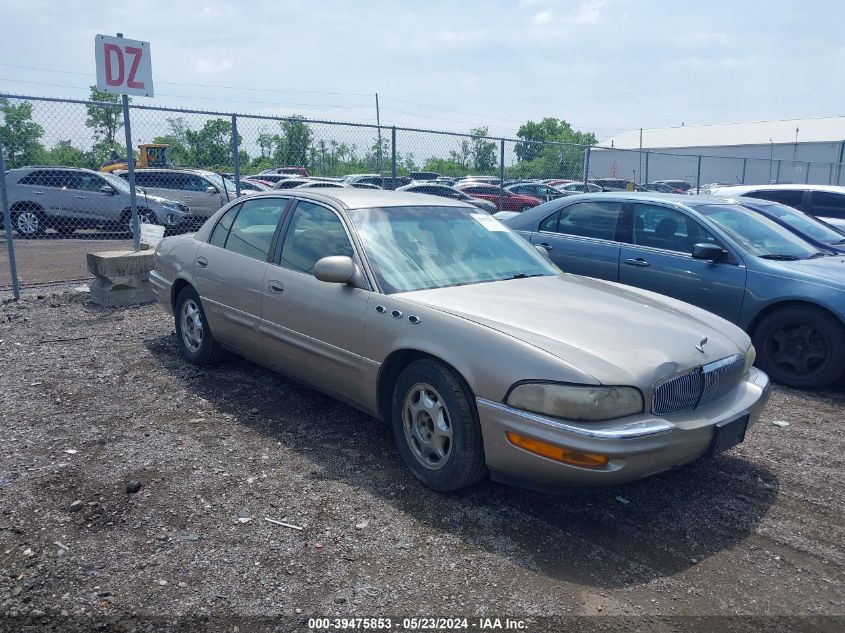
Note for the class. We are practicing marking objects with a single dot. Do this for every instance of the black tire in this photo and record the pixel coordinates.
(464, 463)
(144, 216)
(801, 347)
(29, 221)
(209, 350)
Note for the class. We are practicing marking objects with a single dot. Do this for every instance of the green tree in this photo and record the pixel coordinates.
(64, 153)
(292, 145)
(483, 152)
(211, 145)
(105, 121)
(177, 140)
(20, 135)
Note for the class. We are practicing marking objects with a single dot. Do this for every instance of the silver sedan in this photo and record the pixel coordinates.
(480, 353)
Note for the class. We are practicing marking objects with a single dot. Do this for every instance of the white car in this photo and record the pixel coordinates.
(826, 202)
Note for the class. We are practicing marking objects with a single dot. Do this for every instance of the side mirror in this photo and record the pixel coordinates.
(108, 190)
(336, 269)
(212, 189)
(709, 252)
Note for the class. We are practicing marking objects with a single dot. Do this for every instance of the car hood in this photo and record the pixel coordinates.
(614, 333)
(829, 270)
(159, 199)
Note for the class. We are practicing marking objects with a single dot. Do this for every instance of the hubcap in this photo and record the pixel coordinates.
(798, 349)
(28, 223)
(191, 325)
(428, 426)
(143, 218)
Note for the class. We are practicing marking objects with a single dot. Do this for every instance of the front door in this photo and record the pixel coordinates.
(312, 329)
(659, 258)
(581, 238)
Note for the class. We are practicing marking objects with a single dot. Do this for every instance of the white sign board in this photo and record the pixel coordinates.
(123, 66)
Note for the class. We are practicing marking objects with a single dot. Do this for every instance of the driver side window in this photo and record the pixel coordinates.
(314, 232)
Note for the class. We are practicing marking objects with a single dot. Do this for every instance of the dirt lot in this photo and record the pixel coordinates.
(92, 398)
(46, 260)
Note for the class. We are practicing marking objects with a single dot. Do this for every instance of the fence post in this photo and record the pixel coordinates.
(646, 167)
(7, 222)
(744, 162)
(502, 175)
(393, 157)
(130, 165)
(807, 176)
(586, 167)
(236, 156)
(777, 176)
(698, 176)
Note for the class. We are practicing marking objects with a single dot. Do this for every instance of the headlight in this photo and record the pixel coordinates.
(750, 357)
(576, 402)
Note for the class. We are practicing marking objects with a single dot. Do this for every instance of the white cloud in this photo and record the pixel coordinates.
(209, 11)
(212, 67)
(544, 17)
(589, 11)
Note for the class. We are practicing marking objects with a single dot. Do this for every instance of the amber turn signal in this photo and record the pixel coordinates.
(557, 453)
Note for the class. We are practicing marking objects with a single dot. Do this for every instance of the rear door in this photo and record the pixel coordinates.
(581, 238)
(229, 272)
(658, 257)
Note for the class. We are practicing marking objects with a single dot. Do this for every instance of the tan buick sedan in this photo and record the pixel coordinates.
(483, 356)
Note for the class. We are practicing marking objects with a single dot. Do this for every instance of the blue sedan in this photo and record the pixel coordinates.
(818, 233)
(788, 294)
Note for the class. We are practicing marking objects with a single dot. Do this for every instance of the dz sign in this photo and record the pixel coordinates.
(123, 66)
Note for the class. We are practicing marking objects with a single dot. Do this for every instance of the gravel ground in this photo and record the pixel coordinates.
(91, 398)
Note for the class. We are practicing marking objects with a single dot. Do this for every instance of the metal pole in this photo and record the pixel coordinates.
(771, 159)
(7, 222)
(502, 175)
(777, 177)
(586, 167)
(378, 123)
(393, 157)
(646, 167)
(698, 176)
(237, 157)
(744, 162)
(807, 176)
(640, 173)
(130, 165)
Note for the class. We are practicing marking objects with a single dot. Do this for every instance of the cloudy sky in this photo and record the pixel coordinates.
(603, 65)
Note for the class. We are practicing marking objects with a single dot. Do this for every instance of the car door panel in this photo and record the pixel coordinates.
(315, 330)
(718, 287)
(579, 240)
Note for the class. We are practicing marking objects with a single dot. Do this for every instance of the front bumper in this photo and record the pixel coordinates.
(184, 224)
(638, 447)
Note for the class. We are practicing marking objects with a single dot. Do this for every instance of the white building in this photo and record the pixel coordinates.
(789, 151)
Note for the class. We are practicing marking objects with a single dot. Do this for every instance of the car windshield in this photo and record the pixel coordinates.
(416, 248)
(117, 182)
(802, 222)
(221, 182)
(756, 233)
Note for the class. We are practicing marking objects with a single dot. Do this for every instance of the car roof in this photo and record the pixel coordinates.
(740, 189)
(352, 198)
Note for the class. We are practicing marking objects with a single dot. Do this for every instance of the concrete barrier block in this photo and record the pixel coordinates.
(121, 278)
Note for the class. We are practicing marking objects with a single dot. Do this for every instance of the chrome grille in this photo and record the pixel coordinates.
(697, 386)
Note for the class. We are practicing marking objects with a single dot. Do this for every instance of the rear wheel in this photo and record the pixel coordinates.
(193, 335)
(28, 222)
(435, 425)
(801, 346)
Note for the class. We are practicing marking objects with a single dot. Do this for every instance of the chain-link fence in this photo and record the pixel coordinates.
(68, 193)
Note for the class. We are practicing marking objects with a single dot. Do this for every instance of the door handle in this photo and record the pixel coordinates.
(546, 245)
(202, 262)
(276, 287)
(639, 261)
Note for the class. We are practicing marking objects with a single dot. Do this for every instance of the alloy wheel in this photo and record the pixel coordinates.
(191, 325)
(427, 426)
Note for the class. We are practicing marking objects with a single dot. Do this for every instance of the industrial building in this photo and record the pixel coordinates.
(756, 152)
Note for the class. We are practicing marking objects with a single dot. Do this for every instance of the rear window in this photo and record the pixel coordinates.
(789, 197)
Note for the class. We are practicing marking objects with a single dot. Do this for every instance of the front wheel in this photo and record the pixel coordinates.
(800, 346)
(436, 428)
(28, 222)
(193, 335)
(145, 216)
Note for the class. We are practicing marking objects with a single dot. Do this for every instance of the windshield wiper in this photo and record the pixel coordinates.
(526, 275)
(821, 254)
(780, 257)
